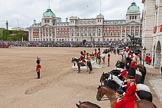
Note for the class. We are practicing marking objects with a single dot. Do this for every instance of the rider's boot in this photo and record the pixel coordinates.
(79, 71)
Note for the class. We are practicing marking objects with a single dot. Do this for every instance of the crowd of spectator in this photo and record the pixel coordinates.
(114, 44)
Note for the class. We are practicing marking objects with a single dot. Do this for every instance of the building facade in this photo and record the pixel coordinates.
(75, 29)
(153, 29)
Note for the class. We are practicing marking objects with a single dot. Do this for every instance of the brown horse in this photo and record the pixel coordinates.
(87, 105)
(111, 95)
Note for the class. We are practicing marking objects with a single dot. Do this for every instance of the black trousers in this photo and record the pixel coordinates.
(38, 74)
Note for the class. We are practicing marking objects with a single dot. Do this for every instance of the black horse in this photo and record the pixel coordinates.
(111, 84)
(79, 63)
(142, 69)
(114, 85)
(100, 57)
(108, 83)
(144, 95)
(141, 93)
(120, 64)
(105, 51)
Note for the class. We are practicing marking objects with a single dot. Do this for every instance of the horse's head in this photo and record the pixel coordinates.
(74, 59)
(104, 76)
(128, 60)
(100, 93)
(115, 72)
(119, 64)
(102, 90)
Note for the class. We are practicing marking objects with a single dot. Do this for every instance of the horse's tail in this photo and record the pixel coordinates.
(77, 105)
(89, 65)
(154, 105)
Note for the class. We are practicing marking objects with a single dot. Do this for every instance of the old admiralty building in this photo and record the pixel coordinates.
(75, 29)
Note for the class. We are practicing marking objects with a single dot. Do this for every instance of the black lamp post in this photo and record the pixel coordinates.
(144, 52)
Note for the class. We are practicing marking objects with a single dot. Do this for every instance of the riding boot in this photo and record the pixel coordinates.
(79, 71)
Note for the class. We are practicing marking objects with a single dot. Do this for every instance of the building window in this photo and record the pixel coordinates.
(135, 17)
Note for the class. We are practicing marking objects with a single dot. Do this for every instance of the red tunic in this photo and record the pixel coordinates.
(129, 99)
(147, 59)
(127, 49)
(133, 65)
(124, 74)
(38, 67)
(98, 53)
(95, 54)
(82, 57)
(88, 57)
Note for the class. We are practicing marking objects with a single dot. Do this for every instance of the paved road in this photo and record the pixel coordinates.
(154, 79)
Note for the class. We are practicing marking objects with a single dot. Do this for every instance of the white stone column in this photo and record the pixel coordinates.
(130, 30)
(139, 31)
(121, 32)
(55, 33)
(134, 30)
(32, 34)
(125, 33)
(159, 20)
(48, 33)
(96, 31)
(29, 31)
(74, 34)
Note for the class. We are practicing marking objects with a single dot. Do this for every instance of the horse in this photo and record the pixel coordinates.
(139, 74)
(99, 57)
(110, 76)
(141, 67)
(105, 51)
(143, 70)
(87, 104)
(76, 60)
(115, 72)
(111, 95)
(113, 82)
(120, 64)
(144, 95)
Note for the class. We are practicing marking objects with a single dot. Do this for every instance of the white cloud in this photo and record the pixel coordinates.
(23, 12)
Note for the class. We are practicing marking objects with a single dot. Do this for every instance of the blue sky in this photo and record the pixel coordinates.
(22, 12)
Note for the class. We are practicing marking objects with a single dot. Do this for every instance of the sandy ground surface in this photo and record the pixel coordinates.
(60, 86)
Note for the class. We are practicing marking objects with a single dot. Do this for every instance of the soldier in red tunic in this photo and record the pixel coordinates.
(95, 53)
(148, 59)
(108, 60)
(129, 99)
(133, 64)
(38, 67)
(82, 61)
(98, 55)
